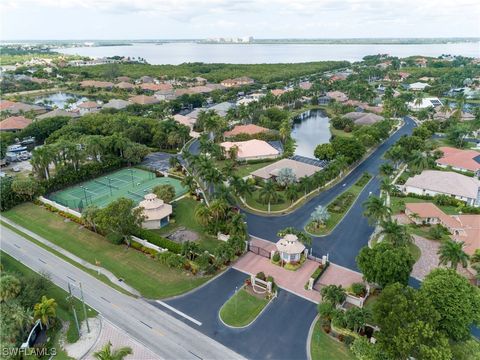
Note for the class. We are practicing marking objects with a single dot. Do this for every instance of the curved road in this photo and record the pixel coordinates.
(352, 233)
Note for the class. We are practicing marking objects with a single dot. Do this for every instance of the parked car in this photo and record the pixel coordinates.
(16, 169)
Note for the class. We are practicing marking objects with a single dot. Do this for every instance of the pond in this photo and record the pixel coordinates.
(310, 129)
(60, 100)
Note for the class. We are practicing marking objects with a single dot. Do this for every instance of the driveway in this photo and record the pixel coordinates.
(293, 281)
(285, 321)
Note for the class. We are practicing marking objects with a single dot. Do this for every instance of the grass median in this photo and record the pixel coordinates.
(242, 308)
(323, 346)
(149, 277)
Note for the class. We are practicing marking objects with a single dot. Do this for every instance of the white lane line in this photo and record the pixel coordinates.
(179, 312)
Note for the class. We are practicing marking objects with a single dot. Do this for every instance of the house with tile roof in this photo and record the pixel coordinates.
(459, 159)
(250, 129)
(252, 149)
(144, 100)
(58, 112)
(434, 182)
(14, 123)
(89, 107)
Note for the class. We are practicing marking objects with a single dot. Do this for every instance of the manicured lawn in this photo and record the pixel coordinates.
(423, 232)
(324, 347)
(254, 201)
(244, 168)
(184, 216)
(148, 276)
(336, 132)
(242, 308)
(397, 205)
(64, 311)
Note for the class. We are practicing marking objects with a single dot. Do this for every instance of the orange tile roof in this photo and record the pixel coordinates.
(144, 100)
(471, 232)
(462, 159)
(429, 210)
(250, 129)
(4, 104)
(14, 123)
(156, 87)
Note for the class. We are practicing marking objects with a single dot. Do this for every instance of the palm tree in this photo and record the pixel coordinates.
(319, 216)
(268, 193)
(305, 183)
(395, 233)
(418, 162)
(202, 214)
(10, 287)
(291, 192)
(386, 169)
(106, 353)
(452, 252)
(387, 188)
(174, 162)
(45, 310)
(238, 226)
(376, 210)
(419, 98)
(218, 210)
(41, 159)
(333, 294)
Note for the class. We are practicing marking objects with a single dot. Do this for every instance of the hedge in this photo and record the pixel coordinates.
(158, 240)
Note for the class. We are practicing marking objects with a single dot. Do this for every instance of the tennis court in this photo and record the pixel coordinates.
(129, 183)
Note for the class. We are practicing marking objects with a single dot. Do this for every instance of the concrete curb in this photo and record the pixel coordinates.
(251, 322)
(309, 337)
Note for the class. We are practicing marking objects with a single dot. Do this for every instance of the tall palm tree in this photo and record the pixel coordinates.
(268, 193)
(189, 182)
(419, 98)
(395, 233)
(418, 161)
(238, 226)
(106, 353)
(291, 192)
(45, 310)
(452, 252)
(305, 183)
(41, 159)
(376, 210)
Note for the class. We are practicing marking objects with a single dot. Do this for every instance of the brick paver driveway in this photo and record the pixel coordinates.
(293, 281)
(339, 275)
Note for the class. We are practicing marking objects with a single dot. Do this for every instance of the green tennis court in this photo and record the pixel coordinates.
(129, 183)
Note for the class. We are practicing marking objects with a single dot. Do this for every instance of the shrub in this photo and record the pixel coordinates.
(115, 238)
(363, 180)
(270, 279)
(276, 257)
(341, 337)
(348, 340)
(158, 240)
(359, 289)
(261, 276)
(341, 202)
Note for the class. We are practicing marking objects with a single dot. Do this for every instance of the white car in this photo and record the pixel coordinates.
(16, 169)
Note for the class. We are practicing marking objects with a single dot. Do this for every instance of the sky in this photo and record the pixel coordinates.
(187, 19)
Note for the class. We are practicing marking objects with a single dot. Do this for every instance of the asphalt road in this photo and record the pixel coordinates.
(280, 332)
(160, 332)
(353, 232)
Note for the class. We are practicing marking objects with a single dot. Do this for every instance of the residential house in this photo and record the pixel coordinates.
(97, 84)
(89, 107)
(124, 85)
(241, 81)
(117, 104)
(250, 129)
(144, 100)
(337, 96)
(418, 86)
(146, 80)
(187, 121)
(305, 85)
(362, 118)
(459, 159)
(14, 108)
(445, 115)
(14, 123)
(425, 104)
(58, 112)
(252, 149)
(434, 182)
(300, 169)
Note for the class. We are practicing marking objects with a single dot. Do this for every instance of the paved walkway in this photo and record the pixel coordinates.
(97, 269)
(293, 281)
(339, 275)
(120, 338)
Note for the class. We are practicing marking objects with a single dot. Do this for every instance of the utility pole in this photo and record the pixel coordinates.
(84, 308)
(70, 300)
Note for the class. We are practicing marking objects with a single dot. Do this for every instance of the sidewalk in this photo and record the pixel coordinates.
(73, 257)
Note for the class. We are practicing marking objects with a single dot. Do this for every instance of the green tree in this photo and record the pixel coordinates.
(395, 233)
(107, 353)
(334, 294)
(120, 217)
(268, 193)
(291, 193)
(409, 324)
(451, 251)
(324, 152)
(26, 188)
(385, 264)
(45, 310)
(10, 287)
(356, 318)
(286, 177)
(166, 192)
(376, 210)
(319, 216)
(455, 299)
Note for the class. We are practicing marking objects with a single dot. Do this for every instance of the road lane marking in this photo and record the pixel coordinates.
(182, 314)
(18, 247)
(101, 297)
(195, 355)
(145, 324)
(42, 261)
(71, 279)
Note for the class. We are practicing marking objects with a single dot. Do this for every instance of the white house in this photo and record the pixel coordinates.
(290, 248)
(434, 182)
(156, 212)
(418, 86)
(425, 104)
